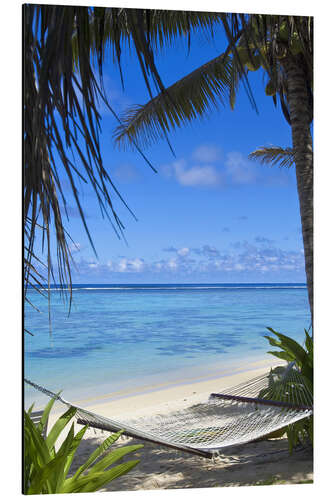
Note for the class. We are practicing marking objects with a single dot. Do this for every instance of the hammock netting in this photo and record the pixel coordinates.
(236, 415)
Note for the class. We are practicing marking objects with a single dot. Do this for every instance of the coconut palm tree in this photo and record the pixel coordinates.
(283, 47)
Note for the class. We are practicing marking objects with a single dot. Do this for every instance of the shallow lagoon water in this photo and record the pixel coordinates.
(118, 337)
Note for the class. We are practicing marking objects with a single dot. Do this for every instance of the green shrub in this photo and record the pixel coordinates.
(282, 382)
(46, 470)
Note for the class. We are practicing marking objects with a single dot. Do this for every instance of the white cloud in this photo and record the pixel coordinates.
(172, 264)
(137, 264)
(182, 252)
(201, 169)
(122, 265)
(206, 153)
(93, 265)
(271, 259)
(198, 175)
(239, 170)
(129, 265)
(207, 260)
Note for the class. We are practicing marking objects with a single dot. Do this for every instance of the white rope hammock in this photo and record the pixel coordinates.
(237, 415)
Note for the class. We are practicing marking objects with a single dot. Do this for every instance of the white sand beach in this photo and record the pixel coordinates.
(164, 468)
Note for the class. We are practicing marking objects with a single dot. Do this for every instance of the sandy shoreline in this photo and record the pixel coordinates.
(168, 396)
(163, 468)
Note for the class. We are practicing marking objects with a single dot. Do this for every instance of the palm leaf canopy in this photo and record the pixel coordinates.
(254, 41)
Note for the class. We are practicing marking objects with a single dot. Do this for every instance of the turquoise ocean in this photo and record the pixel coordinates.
(127, 337)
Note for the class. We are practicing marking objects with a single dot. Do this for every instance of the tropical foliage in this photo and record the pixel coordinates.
(292, 351)
(47, 470)
(294, 383)
(255, 41)
(283, 47)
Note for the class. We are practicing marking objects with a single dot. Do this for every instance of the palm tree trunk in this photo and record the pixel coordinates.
(300, 117)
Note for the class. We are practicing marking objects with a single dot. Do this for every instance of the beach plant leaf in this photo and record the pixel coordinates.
(303, 358)
(44, 481)
(290, 345)
(29, 411)
(51, 474)
(37, 441)
(43, 421)
(59, 426)
(114, 457)
(282, 355)
(101, 449)
(64, 451)
(293, 383)
(75, 444)
(96, 481)
(46, 470)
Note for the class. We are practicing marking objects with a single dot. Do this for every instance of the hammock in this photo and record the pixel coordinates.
(237, 415)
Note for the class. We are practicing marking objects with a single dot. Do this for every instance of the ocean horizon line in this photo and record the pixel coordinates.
(173, 286)
(188, 283)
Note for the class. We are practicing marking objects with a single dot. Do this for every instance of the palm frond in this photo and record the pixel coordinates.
(161, 27)
(191, 97)
(61, 129)
(62, 121)
(56, 121)
(274, 155)
(165, 26)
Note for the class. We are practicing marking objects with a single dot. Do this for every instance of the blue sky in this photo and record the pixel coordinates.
(209, 214)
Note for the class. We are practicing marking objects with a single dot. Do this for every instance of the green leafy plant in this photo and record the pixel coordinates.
(292, 383)
(47, 470)
(292, 351)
